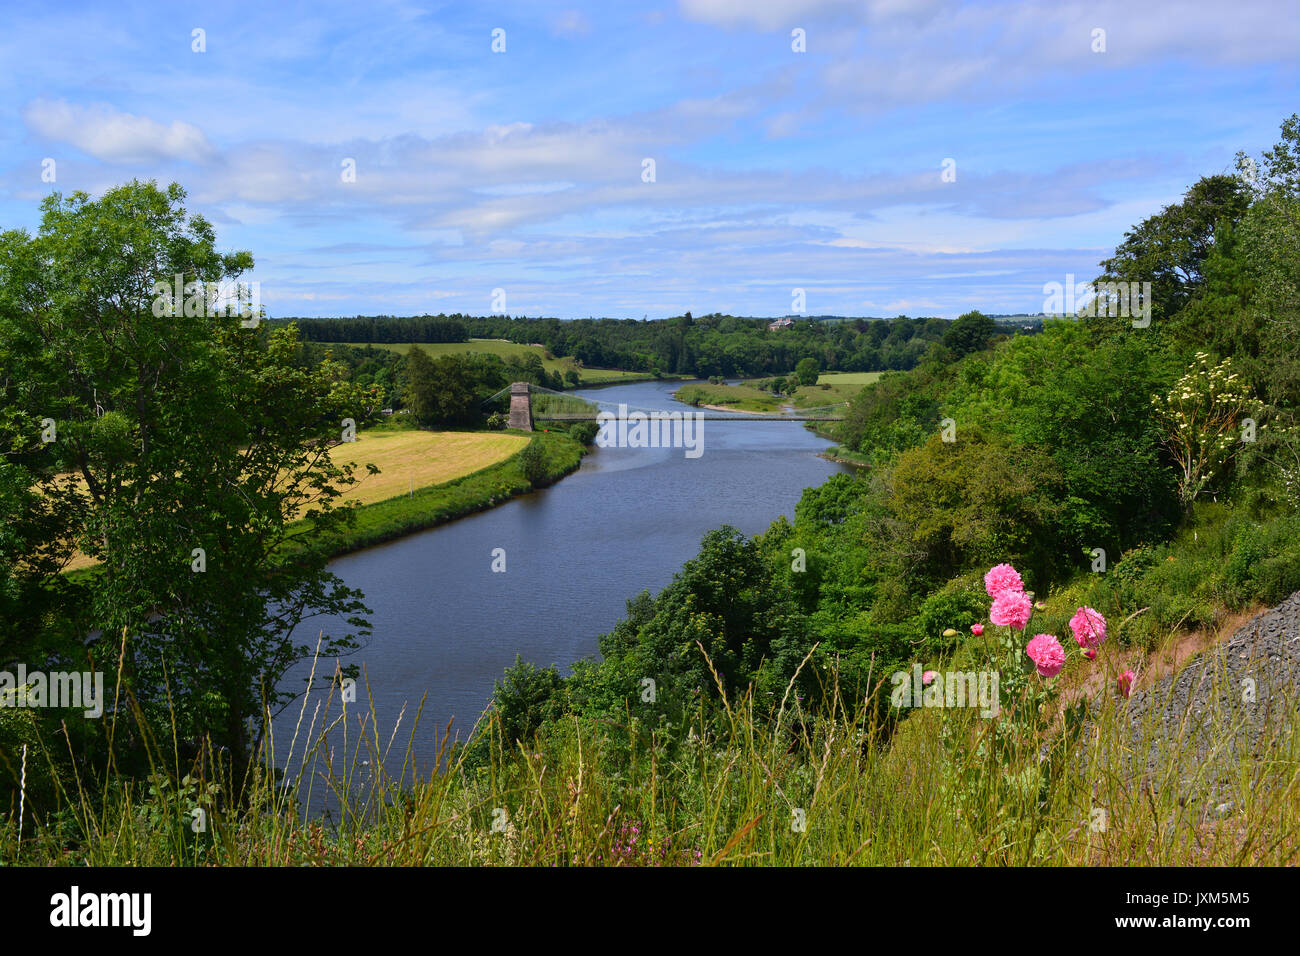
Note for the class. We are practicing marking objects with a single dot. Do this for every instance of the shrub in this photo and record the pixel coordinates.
(532, 462)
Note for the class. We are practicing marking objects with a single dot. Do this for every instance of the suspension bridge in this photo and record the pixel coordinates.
(532, 403)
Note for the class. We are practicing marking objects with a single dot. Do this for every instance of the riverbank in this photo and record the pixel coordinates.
(477, 491)
(436, 504)
(844, 456)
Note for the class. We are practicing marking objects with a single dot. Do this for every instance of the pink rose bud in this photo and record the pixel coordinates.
(1090, 654)
(977, 629)
(927, 677)
(1124, 683)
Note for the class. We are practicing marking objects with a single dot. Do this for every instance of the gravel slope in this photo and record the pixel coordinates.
(1205, 718)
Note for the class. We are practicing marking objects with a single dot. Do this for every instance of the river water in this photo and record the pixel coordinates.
(446, 625)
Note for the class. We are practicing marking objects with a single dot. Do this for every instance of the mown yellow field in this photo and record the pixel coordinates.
(425, 458)
(419, 457)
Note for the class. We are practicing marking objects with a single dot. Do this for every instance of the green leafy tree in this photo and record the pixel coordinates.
(1170, 249)
(188, 442)
(956, 505)
(447, 392)
(969, 333)
(807, 371)
(525, 699)
(421, 385)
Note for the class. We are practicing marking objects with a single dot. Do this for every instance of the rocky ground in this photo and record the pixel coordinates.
(1239, 698)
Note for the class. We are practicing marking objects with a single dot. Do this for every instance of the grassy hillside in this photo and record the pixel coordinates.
(820, 788)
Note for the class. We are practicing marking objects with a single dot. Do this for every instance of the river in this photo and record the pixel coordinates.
(446, 625)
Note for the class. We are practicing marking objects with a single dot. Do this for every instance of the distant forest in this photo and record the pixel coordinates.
(709, 345)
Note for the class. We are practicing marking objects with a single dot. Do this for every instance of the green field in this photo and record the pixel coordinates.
(739, 398)
(849, 378)
(469, 492)
(832, 388)
(509, 350)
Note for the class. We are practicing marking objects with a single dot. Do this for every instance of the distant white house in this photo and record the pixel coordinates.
(779, 324)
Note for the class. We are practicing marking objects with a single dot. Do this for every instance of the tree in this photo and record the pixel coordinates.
(958, 505)
(807, 371)
(447, 392)
(420, 385)
(1202, 416)
(969, 333)
(525, 699)
(187, 441)
(1170, 249)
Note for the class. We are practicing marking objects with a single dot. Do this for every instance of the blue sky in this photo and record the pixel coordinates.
(774, 170)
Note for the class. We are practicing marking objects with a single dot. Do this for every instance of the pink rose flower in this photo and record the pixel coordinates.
(1124, 683)
(927, 677)
(1002, 578)
(977, 629)
(1047, 654)
(1011, 609)
(1089, 627)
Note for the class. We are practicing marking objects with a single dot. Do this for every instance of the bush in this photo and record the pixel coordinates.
(585, 432)
(956, 609)
(532, 462)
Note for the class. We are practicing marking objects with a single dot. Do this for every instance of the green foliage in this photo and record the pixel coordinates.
(969, 333)
(526, 698)
(807, 371)
(704, 347)
(975, 501)
(584, 432)
(189, 431)
(1171, 248)
(532, 462)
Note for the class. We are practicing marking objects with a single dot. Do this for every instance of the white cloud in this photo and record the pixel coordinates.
(779, 14)
(116, 137)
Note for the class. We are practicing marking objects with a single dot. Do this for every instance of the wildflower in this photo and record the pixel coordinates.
(1047, 654)
(1002, 578)
(1089, 627)
(977, 629)
(1011, 609)
(1124, 683)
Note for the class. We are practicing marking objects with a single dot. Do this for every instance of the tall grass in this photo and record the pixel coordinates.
(731, 787)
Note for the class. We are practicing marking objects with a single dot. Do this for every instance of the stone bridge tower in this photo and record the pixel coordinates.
(521, 408)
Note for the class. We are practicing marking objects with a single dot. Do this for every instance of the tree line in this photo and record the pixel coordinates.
(684, 345)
